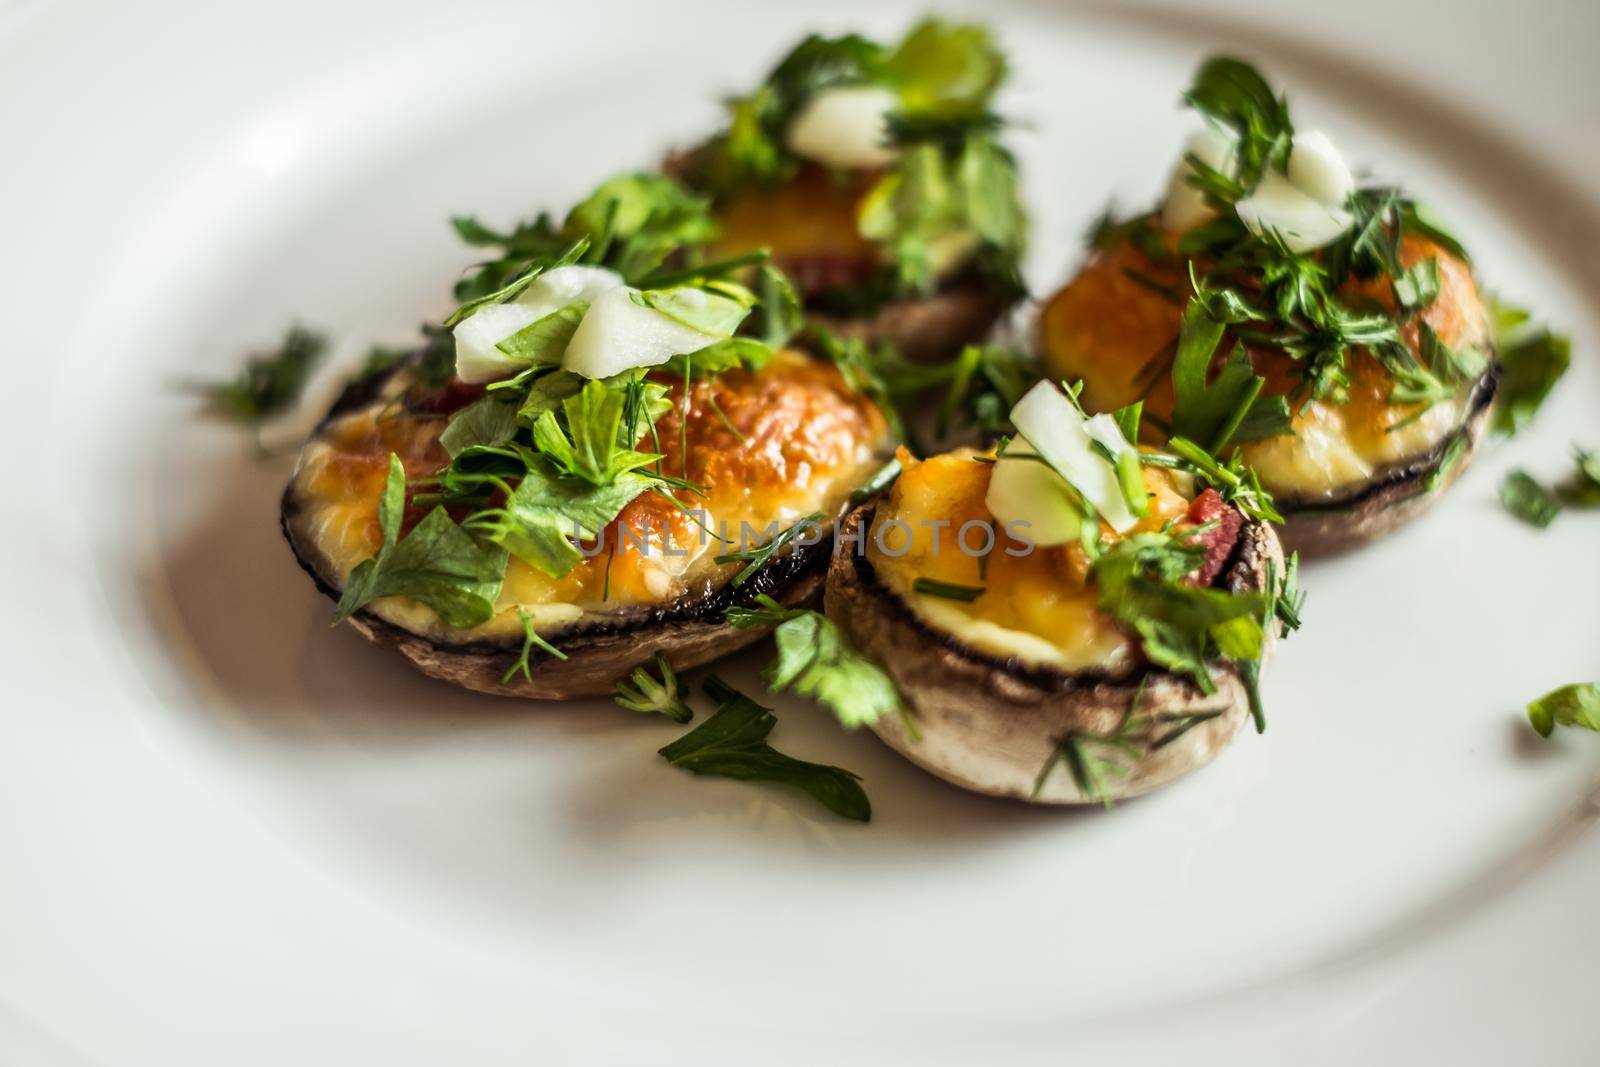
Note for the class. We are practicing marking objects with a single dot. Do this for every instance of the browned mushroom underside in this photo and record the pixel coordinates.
(990, 724)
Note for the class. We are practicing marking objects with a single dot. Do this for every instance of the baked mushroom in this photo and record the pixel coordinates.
(1063, 626)
(584, 474)
(875, 178)
(1333, 331)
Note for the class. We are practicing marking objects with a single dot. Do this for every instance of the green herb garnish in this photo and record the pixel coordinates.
(1182, 627)
(1537, 505)
(1453, 454)
(816, 660)
(966, 594)
(756, 558)
(437, 563)
(631, 224)
(271, 382)
(1528, 500)
(1229, 408)
(881, 480)
(647, 694)
(1093, 759)
(530, 641)
(1532, 360)
(1571, 705)
(732, 743)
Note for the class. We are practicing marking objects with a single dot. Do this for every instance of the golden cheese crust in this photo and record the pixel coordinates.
(1039, 602)
(769, 447)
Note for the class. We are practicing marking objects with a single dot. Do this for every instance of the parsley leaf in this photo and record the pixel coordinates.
(545, 512)
(1230, 408)
(530, 641)
(545, 341)
(946, 69)
(819, 662)
(756, 558)
(1093, 759)
(484, 423)
(595, 444)
(1454, 452)
(271, 382)
(631, 223)
(1234, 95)
(647, 694)
(1537, 505)
(732, 743)
(778, 315)
(1571, 705)
(1528, 500)
(437, 563)
(1532, 361)
(1142, 584)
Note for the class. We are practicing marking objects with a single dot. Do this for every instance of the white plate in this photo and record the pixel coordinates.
(234, 836)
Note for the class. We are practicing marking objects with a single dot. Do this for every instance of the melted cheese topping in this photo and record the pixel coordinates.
(812, 216)
(1112, 332)
(811, 226)
(769, 448)
(1038, 604)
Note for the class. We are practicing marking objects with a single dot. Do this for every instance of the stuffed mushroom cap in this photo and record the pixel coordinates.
(769, 447)
(810, 224)
(1350, 471)
(996, 685)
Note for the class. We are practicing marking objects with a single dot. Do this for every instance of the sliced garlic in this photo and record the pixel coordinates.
(478, 359)
(1278, 207)
(555, 289)
(619, 334)
(1185, 206)
(1029, 500)
(1317, 169)
(1054, 427)
(847, 127)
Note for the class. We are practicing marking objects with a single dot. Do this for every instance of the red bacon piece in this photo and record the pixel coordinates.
(1218, 541)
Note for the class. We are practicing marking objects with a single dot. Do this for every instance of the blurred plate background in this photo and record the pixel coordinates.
(232, 835)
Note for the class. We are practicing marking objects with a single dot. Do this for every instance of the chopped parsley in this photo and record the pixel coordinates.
(1143, 583)
(1230, 408)
(756, 558)
(1528, 500)
(1571, 705)
(437, 563)
(632, 223)
(1537, 505)
(816, 660)
(1094, 759)
(965, 594)
(530, 641)
(1532, 360)
(649, 695)
(271, 382)
(1454, 452)
(732, 743)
